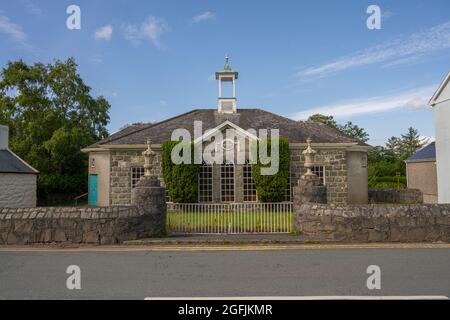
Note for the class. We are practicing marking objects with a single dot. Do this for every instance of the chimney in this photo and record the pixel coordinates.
(4, 136)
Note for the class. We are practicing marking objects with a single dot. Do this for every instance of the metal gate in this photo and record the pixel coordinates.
(231, 218)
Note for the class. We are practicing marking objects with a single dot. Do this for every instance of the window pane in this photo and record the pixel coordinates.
(227, 183)
(205, 184)
(136, 174)
(249, 184)
(320, 172)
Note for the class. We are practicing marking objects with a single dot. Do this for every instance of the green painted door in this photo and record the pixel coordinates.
(93, 190)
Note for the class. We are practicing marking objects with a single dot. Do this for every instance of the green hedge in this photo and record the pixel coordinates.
(181, 179)
(273, 188)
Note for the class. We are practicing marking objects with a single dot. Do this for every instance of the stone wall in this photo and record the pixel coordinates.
(17, 190)
(400, 196)
(108, 225)
(121, 164)
(335, 164)
(74, 225)
(374, 223)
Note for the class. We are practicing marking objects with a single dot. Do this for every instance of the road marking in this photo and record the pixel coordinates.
(290, 298)
(192, 248)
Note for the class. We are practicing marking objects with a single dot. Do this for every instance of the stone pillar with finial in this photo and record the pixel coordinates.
(309, 154)
(149, 156)
(148, 195)
(309, 189)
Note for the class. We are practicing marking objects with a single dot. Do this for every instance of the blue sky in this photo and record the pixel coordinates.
(155, 59)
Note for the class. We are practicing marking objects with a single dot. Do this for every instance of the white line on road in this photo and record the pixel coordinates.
(291, 298)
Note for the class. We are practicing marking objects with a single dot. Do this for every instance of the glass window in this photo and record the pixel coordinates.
(320, 172)
(249, 184)
(205, 183)
(136, 174)
(227, 182)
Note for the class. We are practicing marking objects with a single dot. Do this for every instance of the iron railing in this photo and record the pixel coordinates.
(230, 218)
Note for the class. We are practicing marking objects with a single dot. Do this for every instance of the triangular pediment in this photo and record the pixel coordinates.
(443, 92)
(222, 129)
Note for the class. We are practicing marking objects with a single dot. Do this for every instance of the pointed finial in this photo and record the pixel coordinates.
(149, 142)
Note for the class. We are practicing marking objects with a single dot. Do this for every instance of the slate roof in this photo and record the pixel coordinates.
(427, 153)
(10, 163)
(295, 131)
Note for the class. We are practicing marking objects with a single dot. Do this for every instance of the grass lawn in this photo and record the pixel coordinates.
(229, 222)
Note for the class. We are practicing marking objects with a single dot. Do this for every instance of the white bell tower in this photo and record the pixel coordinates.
(225, 77)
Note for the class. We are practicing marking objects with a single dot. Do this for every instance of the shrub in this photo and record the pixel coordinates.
(181, 179)
(272, 188)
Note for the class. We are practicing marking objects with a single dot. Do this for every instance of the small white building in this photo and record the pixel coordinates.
(441, 103)
(17, 178)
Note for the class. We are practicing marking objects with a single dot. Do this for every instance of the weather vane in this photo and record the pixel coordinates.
(227, 62)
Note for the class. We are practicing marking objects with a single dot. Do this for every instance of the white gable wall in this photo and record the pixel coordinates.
(17, 190)
(442, 121)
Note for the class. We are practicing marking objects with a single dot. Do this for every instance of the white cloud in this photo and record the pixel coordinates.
(417, 44)
(412, 99)
(104, 33)
(14, 32)
(427, 140)
(208, 15)
(152, 29)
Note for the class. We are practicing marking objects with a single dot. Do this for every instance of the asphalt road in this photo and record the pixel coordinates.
(139, 274)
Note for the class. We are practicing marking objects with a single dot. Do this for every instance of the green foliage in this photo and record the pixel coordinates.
(384, 162)
(272, 188)
(387, 182)
(181, 179)
(52, 115)
(326, 120)
(350, 129)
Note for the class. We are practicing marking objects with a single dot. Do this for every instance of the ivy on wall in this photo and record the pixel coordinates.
(272, 188)
(181, 179)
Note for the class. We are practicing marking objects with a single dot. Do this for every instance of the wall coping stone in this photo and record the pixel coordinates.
(70, 213)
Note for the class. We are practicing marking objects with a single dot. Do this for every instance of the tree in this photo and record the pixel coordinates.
(354, 131)
(52, 115)
(394, 146)
(349, 128)
(410, 142)
(326, 120)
